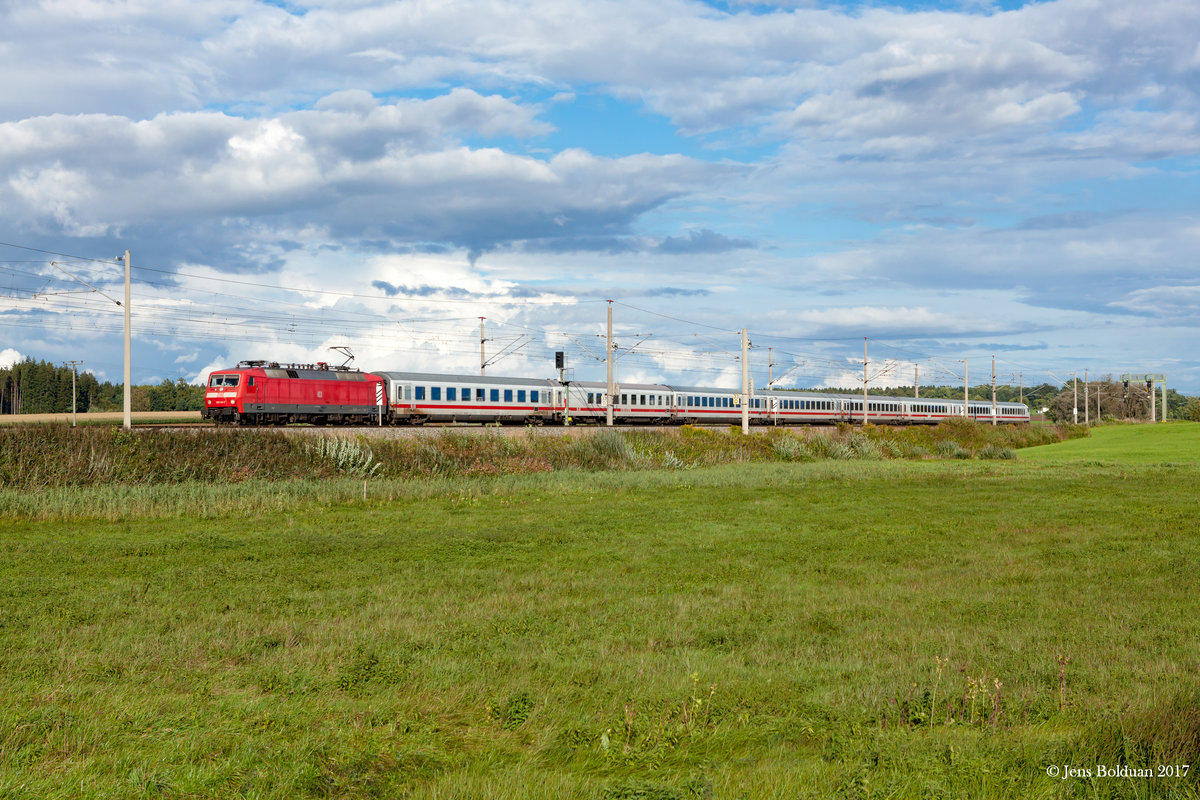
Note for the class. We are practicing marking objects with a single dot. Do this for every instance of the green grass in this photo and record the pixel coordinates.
(1164, 443)
(749, 630)
(35, 458)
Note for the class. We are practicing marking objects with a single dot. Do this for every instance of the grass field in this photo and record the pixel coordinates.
(1164, 443)
(899, 629)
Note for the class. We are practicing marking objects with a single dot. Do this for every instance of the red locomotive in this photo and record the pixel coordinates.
(269, 393)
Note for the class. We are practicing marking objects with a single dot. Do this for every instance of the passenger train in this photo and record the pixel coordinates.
(269, 393)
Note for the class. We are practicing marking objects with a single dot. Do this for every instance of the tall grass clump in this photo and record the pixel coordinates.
(790, 448)
(1153, 741)
(948, 448)
(347, 456)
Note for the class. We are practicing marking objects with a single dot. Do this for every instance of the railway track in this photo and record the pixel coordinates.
(399, 432)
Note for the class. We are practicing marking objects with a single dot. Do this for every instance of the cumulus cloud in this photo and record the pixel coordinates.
(393, 171)
(9, 356)
(896, 162)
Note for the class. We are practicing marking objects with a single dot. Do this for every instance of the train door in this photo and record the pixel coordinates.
(402, 397)
(251, 395)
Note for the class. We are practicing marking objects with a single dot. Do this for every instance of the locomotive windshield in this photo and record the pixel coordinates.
(223, 380)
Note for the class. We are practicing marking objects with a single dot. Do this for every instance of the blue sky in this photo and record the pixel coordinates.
(950, 180)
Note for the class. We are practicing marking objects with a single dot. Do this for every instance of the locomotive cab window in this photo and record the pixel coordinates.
(224, 380)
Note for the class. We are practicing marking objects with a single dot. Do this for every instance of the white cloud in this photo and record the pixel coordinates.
(1175, 303)
(8, 357)
(877, 167)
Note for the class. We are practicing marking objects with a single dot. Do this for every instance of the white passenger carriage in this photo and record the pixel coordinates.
(419, 397)
(632, 402)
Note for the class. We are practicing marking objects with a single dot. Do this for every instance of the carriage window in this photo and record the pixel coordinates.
(508, 395)
(435, 393)
(408, 393)
(466, 394)
(520, 395)
(479, 395)
(533, 396)
(420, 392)
(451, 393)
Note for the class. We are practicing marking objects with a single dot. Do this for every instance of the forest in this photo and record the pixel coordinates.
(40, 387)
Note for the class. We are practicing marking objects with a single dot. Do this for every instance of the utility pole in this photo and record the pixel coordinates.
(745, 382)
(1150, 387)
(1087, 400)
(482, 355)
(770, 369)
(864, 381)
(128, 418)
(74, 365)
(1075, 386)
(993, 390)
(609, 401)
(966, 391)
(1021, 380)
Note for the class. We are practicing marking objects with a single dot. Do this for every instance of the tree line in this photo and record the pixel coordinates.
(39, 387)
